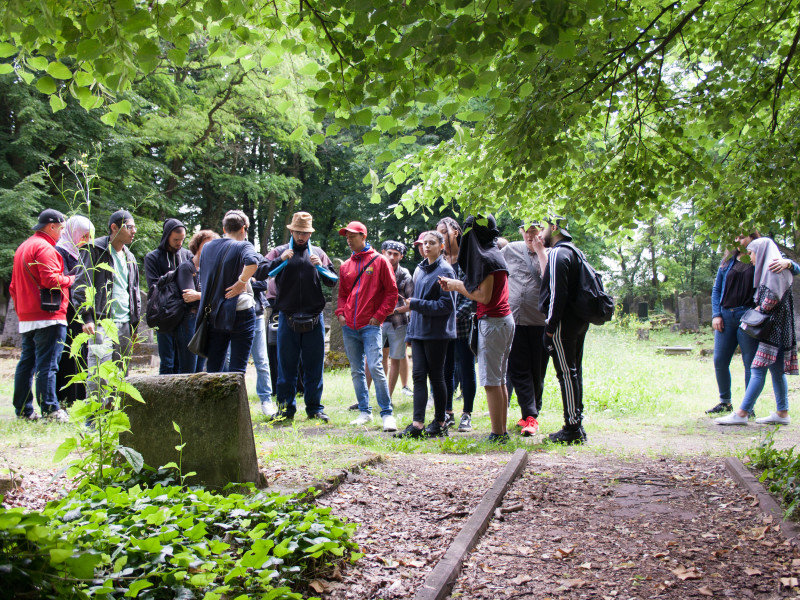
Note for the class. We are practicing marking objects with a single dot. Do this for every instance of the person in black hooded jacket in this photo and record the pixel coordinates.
(169, 254)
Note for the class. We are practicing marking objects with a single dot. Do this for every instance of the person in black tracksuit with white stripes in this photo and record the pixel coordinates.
(564, 331)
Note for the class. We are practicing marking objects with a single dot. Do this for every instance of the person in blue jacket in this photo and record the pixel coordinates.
(731, 296)
(430, 331)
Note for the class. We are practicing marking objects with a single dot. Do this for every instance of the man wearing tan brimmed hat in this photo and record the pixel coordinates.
(299, 302)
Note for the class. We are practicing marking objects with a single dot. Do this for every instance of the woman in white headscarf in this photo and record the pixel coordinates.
(778, 352)
(77, 231)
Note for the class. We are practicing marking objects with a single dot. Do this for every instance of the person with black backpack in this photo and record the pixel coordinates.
(165, 259)
(565, 328)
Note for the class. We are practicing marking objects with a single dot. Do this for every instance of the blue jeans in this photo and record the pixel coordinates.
(240, 340)
(358, 344)
(293, 347)
(41, 350)
(186, 361)
(259, 353)
(465, 372)
(167, 354)
(725, 343)
(758, 376)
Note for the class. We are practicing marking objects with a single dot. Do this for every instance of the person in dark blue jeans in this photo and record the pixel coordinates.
(41, 349)
(188, 281)
(731, 296)
(226, 297)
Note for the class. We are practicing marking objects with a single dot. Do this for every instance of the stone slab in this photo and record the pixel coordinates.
(214, 416)
(675, 350)
(689, 319)
(439, 582)
(768, 505)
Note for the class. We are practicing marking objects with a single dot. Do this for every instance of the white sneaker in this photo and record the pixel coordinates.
(389, 424)
(60, 416)
(408, 391)
(268, 409)
(732, 419)
(774, 419)
(362, 419)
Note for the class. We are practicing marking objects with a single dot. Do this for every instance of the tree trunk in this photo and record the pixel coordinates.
(267, 233)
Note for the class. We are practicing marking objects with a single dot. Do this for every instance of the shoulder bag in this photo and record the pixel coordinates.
(756, 324)
(199, 343)
(49, 299)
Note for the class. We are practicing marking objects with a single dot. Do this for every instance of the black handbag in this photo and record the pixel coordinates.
(756, 324)
(473, 335)
(199, 343)
(49, 299)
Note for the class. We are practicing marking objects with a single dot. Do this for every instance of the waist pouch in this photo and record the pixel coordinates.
(300, 323)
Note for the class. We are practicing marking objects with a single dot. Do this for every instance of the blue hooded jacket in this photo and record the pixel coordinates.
(433, 311)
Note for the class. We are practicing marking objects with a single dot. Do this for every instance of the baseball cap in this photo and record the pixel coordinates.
(561, 223)
(47, 216)
(528, 223)
(420, 239)
(353, 227)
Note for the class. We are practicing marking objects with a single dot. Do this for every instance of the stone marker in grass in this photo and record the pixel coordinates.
(214, 418)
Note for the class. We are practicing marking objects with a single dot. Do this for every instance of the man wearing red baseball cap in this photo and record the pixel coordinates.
(367, 295)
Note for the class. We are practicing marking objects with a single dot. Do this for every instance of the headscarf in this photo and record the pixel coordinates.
(479, 255)
(75, 228)
(766, 252)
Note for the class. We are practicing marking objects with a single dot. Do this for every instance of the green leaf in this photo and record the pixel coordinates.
(65, 449)
(110, 118)
(130, 391)
(375, 199)
(89, 49)
(136, 587)
(134, 458)
(363, 117)
(318, 138)
(39, 63)
(309, 69)
(297, 134)
(280, 83)
(59, 71)
(7, 50)
(371, 137)
(6, 68)
(59, 555)
(121, 107)
(46, 85)
(284, 106)
(56, 103)
(269, 60)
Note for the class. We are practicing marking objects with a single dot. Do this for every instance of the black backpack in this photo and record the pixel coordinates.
(165, 305)
(591, 302)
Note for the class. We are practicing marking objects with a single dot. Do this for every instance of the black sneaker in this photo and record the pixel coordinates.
(410, 432)
(449, 420)
(321, 416)
(436, 430)
(353, 407)
(280, 417)
(497, 438)
(568, 436)
(722, 407)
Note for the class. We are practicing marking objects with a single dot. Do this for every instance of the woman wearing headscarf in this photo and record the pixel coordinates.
(486, 282)
(77, 231)
(778, 351)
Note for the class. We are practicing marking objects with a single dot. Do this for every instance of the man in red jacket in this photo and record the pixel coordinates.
(39, 266)
(367, 295)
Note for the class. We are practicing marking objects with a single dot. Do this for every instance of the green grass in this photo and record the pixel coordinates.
(638, 402)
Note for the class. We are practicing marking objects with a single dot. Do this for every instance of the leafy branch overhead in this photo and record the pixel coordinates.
(611, 111)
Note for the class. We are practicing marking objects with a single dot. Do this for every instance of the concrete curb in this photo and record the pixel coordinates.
(325, 486)
(439, 582)
(768, 505)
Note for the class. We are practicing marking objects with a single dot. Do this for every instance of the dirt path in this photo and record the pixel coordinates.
(588, 528)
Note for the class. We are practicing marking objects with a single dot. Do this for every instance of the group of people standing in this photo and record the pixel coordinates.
(764, 285)
(466, 298)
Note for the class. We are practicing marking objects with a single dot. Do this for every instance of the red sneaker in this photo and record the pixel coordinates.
(530, 427)
(522, 422)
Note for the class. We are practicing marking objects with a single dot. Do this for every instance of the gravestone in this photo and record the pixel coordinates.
(626, 307)
(214, 416)
(689, 317)
(642, 310)
(669, 304)
(705, 314)
(336, 339)
(11, 335)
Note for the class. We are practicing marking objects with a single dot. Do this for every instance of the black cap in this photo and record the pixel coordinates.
(561, 223)
(47, 216)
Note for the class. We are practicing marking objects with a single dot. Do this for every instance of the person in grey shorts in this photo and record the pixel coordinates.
(486, 282)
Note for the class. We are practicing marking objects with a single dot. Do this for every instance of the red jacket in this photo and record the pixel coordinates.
(47, 270)
(375, 293)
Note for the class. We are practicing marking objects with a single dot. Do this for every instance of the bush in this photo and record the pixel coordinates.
(169, 542)
(781, 468)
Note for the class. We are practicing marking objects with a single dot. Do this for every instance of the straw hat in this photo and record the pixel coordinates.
(301, 221)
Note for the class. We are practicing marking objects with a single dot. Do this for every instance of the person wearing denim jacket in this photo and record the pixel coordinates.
(726, 319)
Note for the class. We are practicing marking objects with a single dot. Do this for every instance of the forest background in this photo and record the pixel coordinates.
(657, 128)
